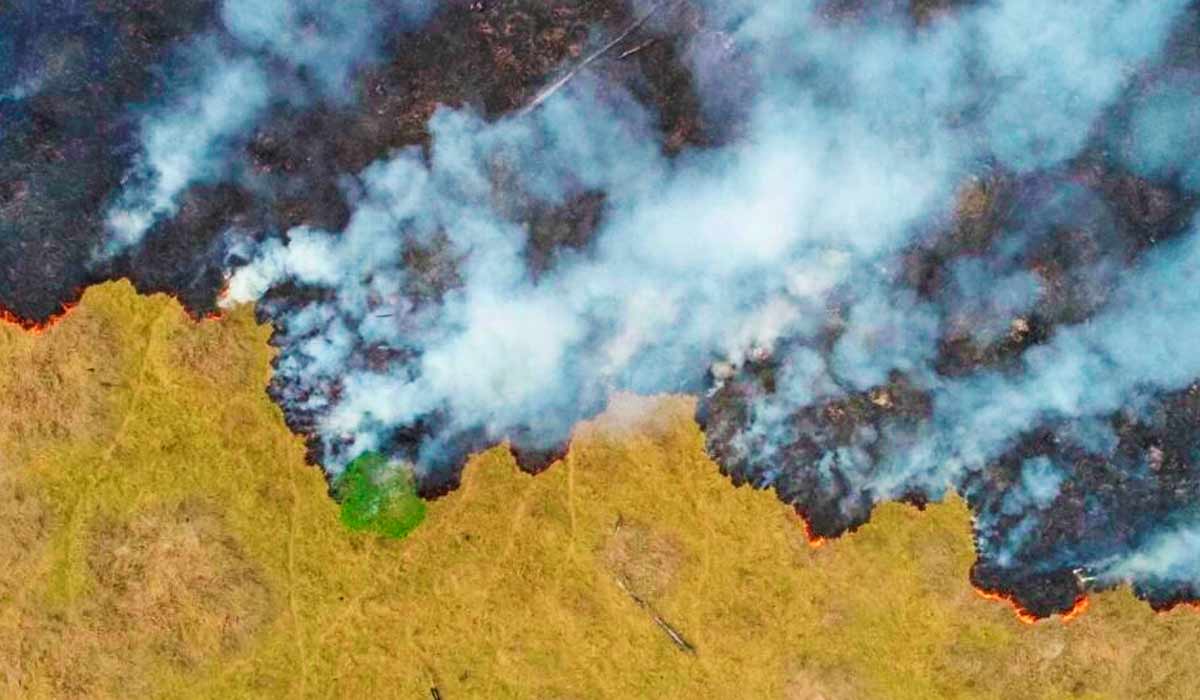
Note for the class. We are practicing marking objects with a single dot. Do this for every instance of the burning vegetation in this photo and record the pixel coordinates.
(896, 251)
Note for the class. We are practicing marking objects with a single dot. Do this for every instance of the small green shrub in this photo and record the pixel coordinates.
(378, 496)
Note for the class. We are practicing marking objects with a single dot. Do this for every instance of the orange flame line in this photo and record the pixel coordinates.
(41, 327)
(1081, 604)
(35, 327)
(1022, 614)
(815, 541)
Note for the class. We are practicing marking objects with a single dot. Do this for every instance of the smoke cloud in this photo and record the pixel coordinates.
(903, 267)
(1163, 119)
(326, 40)
(723, 247)
(1167, 558)
(188, 142)
(194, 138)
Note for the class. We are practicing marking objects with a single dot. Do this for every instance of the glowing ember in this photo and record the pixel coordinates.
(814, 540)
(1077, 608)
(34, 327)
(1022, 614)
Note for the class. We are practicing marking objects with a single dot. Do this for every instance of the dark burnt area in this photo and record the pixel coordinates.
(1077, 245)
(960, 354)
(1041, 577)
(494, 59)
(984, 206)
(1165, 600)
(562, 230)
(1107, 505)
(1148, 212)
(1039, 594)
(831, 508)
(536, 460)
(443, 468)
(301, 171)
(184, 255)
(495, 56)
(284, 394)
(652, 65)
(64, 149)
(431, 270)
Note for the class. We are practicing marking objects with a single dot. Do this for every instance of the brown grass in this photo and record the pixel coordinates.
(174, 584)
(646, 559)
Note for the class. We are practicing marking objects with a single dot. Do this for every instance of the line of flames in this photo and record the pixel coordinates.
(814, 540)
(35, 327)
(8, 318)
(1077, 608)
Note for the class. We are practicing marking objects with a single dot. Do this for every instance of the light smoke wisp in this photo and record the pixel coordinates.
(193, 138)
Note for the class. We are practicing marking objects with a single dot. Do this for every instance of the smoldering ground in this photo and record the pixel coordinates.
(898, 249)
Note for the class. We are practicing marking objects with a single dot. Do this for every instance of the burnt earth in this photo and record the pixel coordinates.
(65, 150)
(831, 506)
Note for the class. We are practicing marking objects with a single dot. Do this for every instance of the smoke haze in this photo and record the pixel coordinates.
(843, 161)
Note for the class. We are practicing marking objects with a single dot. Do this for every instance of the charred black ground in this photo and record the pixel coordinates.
(65, 149)
(1101, 501)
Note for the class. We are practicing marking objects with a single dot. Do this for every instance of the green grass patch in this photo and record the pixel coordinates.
(379, 496)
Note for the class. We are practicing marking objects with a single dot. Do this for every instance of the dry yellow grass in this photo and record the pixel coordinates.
(165, 538)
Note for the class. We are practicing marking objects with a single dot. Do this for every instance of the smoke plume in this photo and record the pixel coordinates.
(954, 253)
(193, 139)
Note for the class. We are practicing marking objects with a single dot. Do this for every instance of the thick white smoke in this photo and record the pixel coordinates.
(1170, 557)
(1141, 344)
(328, 39)
(423, 327)
(853, 142)
(188, 142)
(192, 138)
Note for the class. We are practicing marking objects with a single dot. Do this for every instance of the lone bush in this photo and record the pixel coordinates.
(379, 496)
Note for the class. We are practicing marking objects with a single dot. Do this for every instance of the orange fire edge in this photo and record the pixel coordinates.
(1081, 604)
(1077, 608)
(34, 327)
(8, 318)
(815, 541)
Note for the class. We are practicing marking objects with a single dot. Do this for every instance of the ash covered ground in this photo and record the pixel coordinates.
(897, 248)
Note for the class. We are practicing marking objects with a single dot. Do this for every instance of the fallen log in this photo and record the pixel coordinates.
(546, 92)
